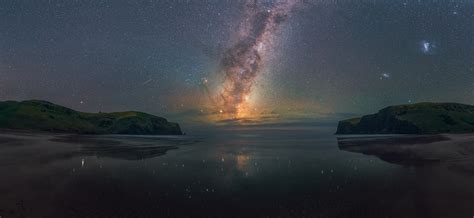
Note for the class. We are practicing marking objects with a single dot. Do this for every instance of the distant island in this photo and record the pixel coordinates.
(420, 118)
(45, 116)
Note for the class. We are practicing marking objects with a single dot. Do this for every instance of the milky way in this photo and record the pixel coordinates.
(244, 61)
(181, 59)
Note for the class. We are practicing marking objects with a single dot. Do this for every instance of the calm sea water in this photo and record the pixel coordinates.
(255, 172)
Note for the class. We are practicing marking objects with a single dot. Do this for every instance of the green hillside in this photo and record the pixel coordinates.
(421, 118)
(46, 116)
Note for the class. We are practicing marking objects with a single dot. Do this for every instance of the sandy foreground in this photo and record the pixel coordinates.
(63, 175)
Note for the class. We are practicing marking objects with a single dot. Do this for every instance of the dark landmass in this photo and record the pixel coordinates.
(421, 118)
(45, 116)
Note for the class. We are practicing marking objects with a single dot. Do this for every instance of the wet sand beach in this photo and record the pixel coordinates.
(288, 172)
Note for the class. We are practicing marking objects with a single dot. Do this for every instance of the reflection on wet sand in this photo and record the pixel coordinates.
(299, 174)
(456, 151)
(23, 147)
(242, 161)
(133, 152)
(131, 149)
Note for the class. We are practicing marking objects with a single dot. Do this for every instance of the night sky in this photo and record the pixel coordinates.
(226, 60)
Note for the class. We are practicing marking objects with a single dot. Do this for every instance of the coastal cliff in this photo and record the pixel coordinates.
(46, 116)
(420, 118)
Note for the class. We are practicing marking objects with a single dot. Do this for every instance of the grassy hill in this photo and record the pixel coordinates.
(46, 116)
(421, 118)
